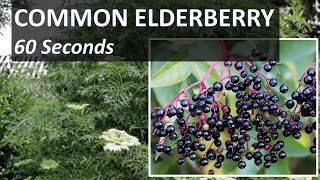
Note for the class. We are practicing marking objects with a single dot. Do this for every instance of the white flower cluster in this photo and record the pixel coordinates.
(117, 140)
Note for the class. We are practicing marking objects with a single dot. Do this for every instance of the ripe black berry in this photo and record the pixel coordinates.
(211, 172)
(195, 97)
(295, 95)
(273, 82)
(257, 155)
(210, 100)
(217, 165)
(220, 158)
(255, 52)
(267, 164)
(173, 136)
(193, 156)
(158, 124)
(217, 86)
(311, 72)
(284, 88)
(241, 164)
(274, 158)
(217, 142)
(180, 143)
(204, 161)
(263, 56)
(308, 79)
(191, 129)
(234, 79)
(211, 154)
(275, 98)
(159, 147)
(243, 74)
(202, 147)
(272, 62)
(253, 68)
(249, 155)
(290, 104)
(181, 122)
(229, 85)
(166, 149)
(308, 129)
(267, 67)
(180, 161)
(281, 143)
(258, 162)
(282, 154)
(210, 91)
(170, 129)
(238, 65)
(297, 135)
(267, 157)
(184, 103)
(236, 157)
(227, 63)
(160, 112)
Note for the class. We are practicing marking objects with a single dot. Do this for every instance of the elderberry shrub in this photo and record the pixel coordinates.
(257, 110)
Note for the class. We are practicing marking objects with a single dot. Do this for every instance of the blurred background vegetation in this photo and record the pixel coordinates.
(41, 138)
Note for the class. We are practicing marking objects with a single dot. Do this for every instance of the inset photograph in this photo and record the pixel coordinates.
(233, 107)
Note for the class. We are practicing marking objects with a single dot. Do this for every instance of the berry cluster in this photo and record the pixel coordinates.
(257, 109)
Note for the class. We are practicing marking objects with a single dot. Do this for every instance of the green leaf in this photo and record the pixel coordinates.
(230, 101)
(287, 76)
(156, 66)
(165, 94)
(184, 84)
(49, 164)
(297, 50)
(293, 148)
(200, 68)
(205, 50)
(228, 166)
(171, 73)
(280, 167)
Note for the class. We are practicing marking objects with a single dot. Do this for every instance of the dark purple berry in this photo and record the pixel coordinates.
(255, 52)
(290, 104)
(204, 161)
(180, 161)
(267, 67)
(273, 82)
(241, 164)
(284, 88)
(238, 65)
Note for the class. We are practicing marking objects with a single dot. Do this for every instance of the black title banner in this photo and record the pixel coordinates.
(72, 30)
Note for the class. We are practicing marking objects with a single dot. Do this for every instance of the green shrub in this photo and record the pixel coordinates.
(11, 109)
(58, 136)
(116, 92)
(57, 142)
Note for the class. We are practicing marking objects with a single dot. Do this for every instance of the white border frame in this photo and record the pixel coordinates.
(212, 176)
